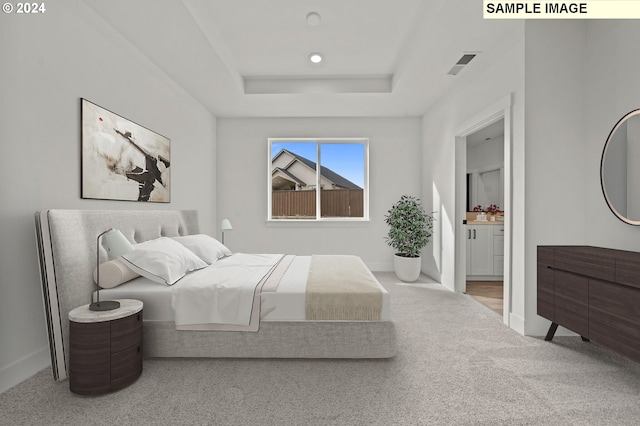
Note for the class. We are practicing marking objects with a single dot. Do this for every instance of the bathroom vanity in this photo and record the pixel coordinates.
(485, 250)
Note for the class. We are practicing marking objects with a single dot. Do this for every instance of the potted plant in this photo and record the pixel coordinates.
(410, 229)
(481, 216)
(493, 210)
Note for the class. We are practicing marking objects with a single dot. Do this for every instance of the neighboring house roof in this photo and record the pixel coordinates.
(288, 174)
(327, 173)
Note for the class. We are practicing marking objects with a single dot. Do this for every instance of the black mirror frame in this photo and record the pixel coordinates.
(604, 151)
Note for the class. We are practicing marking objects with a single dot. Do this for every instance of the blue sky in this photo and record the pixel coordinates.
(346, 159)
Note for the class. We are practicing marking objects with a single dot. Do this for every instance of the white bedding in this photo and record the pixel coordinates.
(287, 303)
(223, 292)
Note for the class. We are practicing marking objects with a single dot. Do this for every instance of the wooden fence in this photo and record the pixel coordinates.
(302, 204)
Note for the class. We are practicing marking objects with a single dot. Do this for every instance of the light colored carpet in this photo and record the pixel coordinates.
(457, 364)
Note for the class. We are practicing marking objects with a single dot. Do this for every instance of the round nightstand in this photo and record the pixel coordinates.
(105, 348)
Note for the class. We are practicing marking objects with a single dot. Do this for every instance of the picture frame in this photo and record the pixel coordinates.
(122, 160)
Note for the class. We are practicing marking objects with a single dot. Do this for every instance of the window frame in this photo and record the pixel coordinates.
(319, 142)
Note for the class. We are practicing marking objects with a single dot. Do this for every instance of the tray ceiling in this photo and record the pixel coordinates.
(251, 57)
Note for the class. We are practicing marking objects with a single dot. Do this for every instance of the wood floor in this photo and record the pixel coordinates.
(489, 293)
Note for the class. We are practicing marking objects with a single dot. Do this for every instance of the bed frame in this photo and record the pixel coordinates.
(66, 248)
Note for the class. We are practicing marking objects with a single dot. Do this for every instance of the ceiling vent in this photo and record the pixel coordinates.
(462, 62)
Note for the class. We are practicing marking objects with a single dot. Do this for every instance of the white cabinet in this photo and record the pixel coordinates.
(498, 250)
(480, 250)
(485, 251)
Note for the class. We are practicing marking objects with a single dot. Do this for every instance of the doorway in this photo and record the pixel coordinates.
(488, 293)
(485, 191)
(484, 188)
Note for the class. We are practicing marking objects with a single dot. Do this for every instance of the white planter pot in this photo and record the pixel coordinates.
(407, 268)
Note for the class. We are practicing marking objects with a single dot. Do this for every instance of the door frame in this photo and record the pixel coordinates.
(490, 114)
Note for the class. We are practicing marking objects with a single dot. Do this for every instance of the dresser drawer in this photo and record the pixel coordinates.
(628, 272)
(546, 292)
(88, 336)
(614, 317)
(571, 308)
(126, 332)
(546, 256)
(89, 347)
(126, 366)
(585, 261)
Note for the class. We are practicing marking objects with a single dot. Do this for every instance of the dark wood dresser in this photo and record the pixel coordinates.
(105, 348)
(594, 292)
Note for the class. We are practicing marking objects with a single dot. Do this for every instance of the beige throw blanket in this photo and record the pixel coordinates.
(342, 288)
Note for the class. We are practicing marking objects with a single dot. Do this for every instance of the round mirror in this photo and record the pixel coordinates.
(620, 169)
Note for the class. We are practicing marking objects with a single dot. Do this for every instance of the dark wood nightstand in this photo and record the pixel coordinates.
(105, 348)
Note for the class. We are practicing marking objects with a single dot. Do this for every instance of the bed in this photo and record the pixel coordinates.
(66, 247)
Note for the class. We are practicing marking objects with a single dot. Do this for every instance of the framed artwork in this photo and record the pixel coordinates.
(122, 160)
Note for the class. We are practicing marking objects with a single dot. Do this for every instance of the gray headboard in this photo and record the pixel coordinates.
(67, 253)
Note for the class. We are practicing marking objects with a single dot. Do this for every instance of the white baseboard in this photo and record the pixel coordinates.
(20, 370)
(434, 274)
(516, 323)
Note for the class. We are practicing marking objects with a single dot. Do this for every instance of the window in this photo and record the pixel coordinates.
(342, 177)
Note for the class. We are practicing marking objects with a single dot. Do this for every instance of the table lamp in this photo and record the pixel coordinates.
(225, 226)
(117, 245)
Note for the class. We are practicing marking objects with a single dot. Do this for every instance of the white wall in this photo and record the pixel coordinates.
(555, 145)
(612, 61)
(394, 164)
(580, 79)
(495, 76)
(48, 63)
(486, 154)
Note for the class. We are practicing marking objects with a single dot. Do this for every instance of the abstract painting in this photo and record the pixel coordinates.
(122, 160)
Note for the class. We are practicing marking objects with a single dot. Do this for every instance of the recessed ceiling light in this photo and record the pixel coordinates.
(313, 18)
(315, 57)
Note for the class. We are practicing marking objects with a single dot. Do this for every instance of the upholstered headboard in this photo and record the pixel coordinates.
(67, 253)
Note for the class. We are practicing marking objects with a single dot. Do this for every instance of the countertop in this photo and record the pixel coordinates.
(127, 307)
(485, 222)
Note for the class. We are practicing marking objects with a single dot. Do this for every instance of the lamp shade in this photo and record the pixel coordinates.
(226, 225)
(116, 243)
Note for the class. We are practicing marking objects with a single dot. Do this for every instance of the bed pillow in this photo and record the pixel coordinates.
(162, 260)
(113, 273)
(205, 247)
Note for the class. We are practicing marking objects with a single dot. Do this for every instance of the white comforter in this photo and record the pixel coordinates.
(222, 293)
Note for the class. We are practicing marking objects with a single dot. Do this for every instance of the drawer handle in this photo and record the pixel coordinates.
(138, 348)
